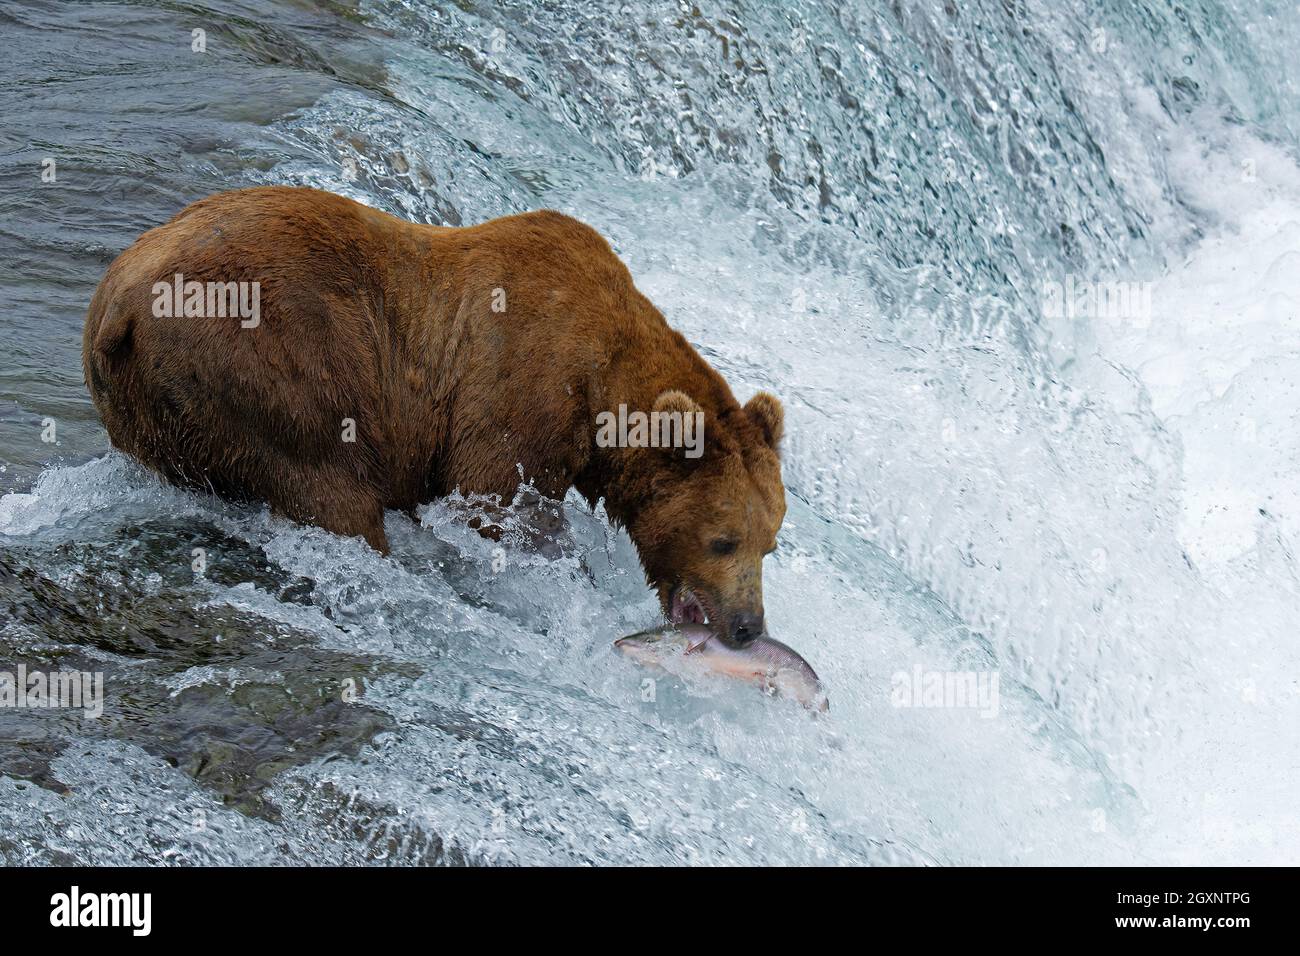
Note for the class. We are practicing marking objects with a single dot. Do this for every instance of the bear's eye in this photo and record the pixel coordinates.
(724, 546)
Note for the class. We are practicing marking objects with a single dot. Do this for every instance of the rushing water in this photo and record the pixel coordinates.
(862, 207)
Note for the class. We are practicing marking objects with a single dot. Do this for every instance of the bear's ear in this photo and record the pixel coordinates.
(766, 411)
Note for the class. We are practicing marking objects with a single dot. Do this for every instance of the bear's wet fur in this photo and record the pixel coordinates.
(392, 363)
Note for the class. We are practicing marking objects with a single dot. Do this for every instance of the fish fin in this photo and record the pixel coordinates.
(695, 644)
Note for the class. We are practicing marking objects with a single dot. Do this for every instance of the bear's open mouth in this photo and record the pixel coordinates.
(687, 608)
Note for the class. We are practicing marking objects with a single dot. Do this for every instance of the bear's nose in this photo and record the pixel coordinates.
(746, 626)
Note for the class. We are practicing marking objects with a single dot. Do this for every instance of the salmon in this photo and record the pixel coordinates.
(779, 670)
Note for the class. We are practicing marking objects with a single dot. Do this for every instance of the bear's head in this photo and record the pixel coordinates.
(710, 519)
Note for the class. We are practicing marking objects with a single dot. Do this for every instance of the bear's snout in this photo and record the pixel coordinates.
(744, 627)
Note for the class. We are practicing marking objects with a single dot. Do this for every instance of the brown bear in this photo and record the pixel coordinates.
(292, 346)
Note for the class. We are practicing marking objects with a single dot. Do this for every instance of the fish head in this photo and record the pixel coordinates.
(655, 645)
